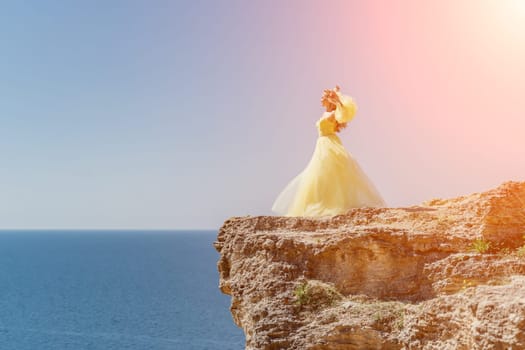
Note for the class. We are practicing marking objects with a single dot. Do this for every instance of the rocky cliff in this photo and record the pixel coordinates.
(446, 274)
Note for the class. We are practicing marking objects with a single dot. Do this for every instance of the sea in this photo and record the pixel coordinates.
(103, 290)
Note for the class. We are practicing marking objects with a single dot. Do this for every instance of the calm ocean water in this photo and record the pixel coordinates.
(130, 290)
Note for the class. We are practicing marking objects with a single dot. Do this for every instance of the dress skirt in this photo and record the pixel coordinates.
(331, 184)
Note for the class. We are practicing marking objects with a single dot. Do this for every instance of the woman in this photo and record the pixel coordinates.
(332, 182)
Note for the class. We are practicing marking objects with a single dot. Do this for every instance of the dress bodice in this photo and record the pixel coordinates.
(326, 126)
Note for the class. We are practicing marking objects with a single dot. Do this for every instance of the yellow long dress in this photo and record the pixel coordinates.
(332, 182)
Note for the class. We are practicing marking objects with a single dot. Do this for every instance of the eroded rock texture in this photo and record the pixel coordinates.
(382, 278)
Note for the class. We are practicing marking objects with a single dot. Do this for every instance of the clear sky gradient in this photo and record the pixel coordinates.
(181, 114)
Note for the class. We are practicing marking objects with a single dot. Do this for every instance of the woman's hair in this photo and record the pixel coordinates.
(324, 97)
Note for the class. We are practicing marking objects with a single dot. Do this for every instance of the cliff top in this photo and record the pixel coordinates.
(393, 278)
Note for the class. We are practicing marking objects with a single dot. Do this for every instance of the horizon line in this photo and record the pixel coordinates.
(108, 229)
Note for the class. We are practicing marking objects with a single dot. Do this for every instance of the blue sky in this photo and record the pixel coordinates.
(98, 113)
(180, 114)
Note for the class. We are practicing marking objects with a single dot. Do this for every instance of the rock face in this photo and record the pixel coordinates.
(447, 274)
